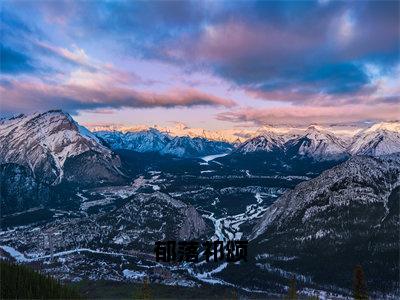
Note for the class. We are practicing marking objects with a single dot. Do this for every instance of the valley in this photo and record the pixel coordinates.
(106, 202)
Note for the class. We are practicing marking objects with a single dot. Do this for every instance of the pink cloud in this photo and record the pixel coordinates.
(28, 96)
(311, 114)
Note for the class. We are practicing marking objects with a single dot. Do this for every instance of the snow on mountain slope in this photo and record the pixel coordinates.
(153, 140)
(45, 142)
(380, 139)
(268, 142)
(318, 144)
(181, 130)
(360, 179)
(194, 147)
(150, 140)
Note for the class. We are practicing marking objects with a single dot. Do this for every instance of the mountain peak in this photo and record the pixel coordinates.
(267, 142)
(380, 139)
(43, 142)
(389, 126)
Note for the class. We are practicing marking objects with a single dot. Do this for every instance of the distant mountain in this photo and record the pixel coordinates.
(380, 139)
(318, 144)
(194, 147)
(269, 142)
(323, 228)
(152, 140)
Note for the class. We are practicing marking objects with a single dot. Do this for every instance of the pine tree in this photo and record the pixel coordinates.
(292, 293)
(146, 291)
(359, 286)
(22, 282)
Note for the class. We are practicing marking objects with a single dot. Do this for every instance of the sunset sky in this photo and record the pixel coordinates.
(210, 64)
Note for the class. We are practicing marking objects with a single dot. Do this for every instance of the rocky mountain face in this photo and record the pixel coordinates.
(318, 144)
(380, 139)
(348, 215)
(150, 140)
(48, 143)
(20, 190)
(194, 147)
(264, 143)
(153, 140)
(304, 155)
(47, 149)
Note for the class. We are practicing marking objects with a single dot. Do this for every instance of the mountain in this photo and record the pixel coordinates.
(271, 153)
(194, 147)
(43, 150)
(152, 140)
(326, 226)
(318, 144)
(55, 148)
(269, 142)
(380, 139)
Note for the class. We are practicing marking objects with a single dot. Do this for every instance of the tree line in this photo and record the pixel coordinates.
(22, 282)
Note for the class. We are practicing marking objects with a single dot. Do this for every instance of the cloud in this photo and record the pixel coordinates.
(310, 114)
(303, 53)
(320, 49)
(76, 57)
(22, 96)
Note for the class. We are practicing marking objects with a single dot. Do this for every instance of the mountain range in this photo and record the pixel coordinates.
(312, 203)
(153, 140)
(320, 144)
(315, 142)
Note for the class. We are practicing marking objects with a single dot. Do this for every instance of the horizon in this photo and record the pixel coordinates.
(208, 65)
(346, 132)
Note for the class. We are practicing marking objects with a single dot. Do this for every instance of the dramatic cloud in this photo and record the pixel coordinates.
(29, 96)
(327, 58)
(110, 54)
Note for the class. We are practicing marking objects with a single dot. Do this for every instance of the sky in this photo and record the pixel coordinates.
(209, 64)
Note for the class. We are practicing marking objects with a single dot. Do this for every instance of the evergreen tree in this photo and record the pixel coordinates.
(146, 291)
(22, 282)
(292, 293)
(359, 286)
(234, 295)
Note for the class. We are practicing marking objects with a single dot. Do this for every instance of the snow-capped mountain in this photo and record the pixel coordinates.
(268, 142)
(348, 214)
(318, 144)
(315, 143)
(153, 140)
(55, 148)
(194, 147)
(380, 139)
(150, 140)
